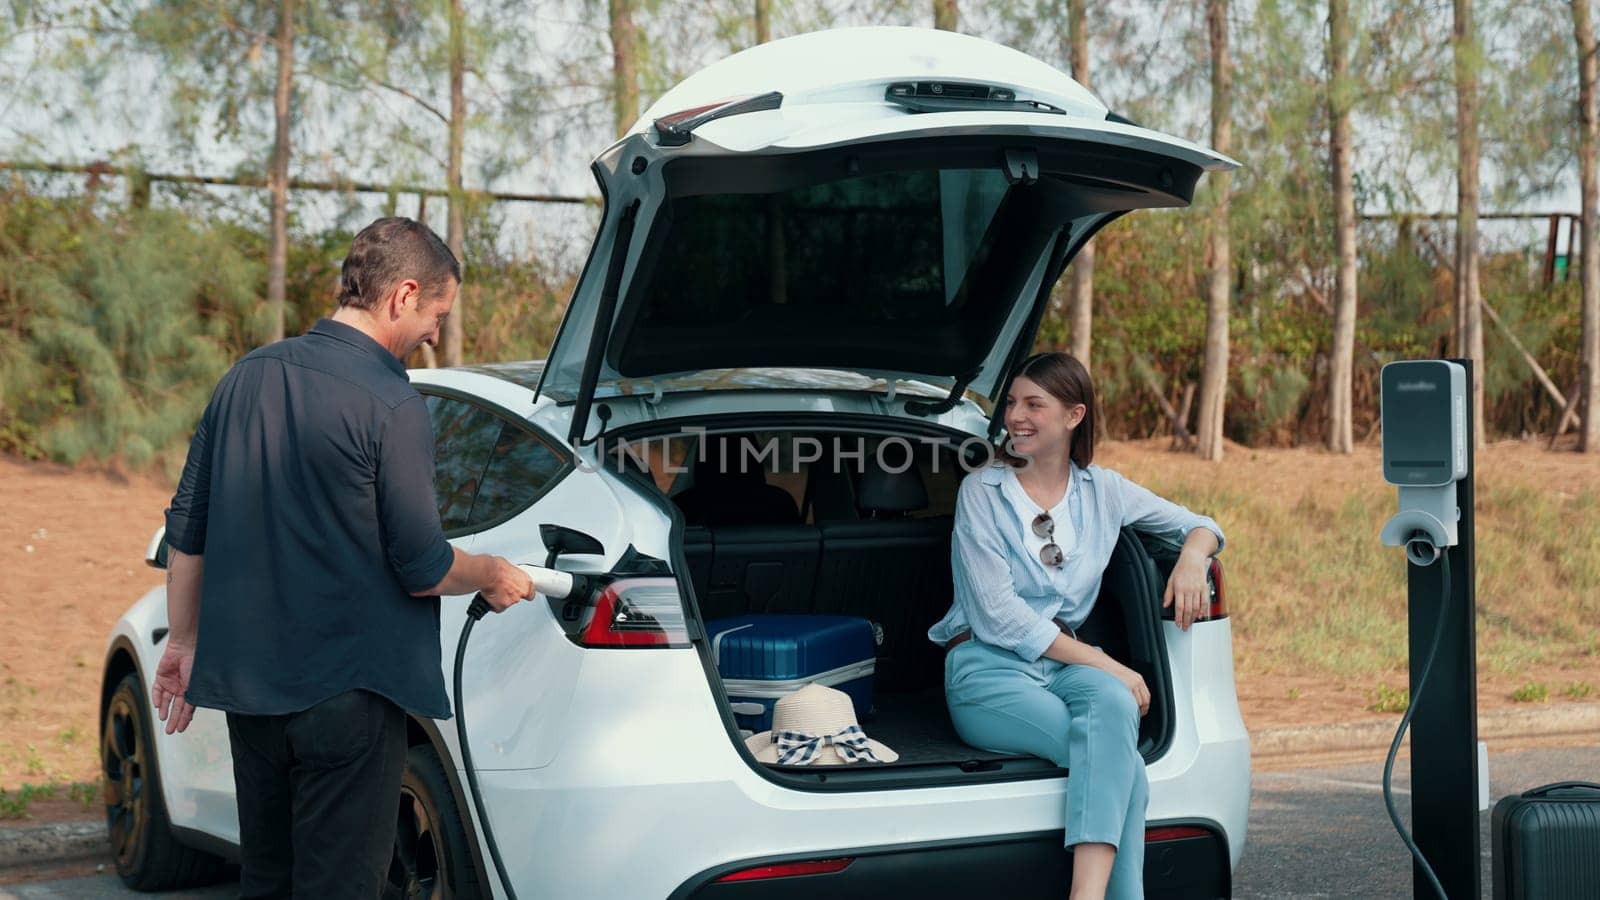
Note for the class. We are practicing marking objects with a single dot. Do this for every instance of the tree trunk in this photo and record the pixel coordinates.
(1341, 362)
(1080, 306)
(624, 65)
(945, 15)
(763, 21)
(455, 234)
(278, 173)
(1469, 297)
(1588, 149)
(1214, 370)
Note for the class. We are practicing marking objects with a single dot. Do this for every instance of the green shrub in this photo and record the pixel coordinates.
(1390, 700)
(86, 793)
(123, 327)
(15, 805)
(1532, 692)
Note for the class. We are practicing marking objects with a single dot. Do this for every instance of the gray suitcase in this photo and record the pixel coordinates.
(1547, 843)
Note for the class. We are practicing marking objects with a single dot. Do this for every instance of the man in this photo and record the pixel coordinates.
(306, 563)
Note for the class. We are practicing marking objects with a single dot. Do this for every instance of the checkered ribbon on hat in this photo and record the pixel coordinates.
(796, 748)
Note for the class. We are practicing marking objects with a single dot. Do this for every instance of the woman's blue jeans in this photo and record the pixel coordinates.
(1079, 717)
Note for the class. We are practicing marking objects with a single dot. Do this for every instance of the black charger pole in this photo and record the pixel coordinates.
(1444, 729)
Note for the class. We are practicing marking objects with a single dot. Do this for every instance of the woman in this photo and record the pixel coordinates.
(1033, 534)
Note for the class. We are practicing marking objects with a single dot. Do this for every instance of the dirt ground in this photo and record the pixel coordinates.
(72, 546)
(1288, 699)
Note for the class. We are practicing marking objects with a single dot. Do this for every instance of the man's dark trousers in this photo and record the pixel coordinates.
(318, 795)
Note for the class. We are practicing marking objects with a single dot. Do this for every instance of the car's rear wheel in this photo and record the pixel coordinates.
(431, 860)
(148, 857)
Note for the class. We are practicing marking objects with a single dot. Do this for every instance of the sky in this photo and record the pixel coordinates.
(83, 115)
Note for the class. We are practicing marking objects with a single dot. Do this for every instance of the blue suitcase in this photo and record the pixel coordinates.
(764, 657)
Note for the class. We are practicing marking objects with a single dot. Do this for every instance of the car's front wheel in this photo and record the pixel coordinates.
(431, 860)
(148, 857)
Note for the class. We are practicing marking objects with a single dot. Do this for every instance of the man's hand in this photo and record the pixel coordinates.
(1187, 589)
(506, 585)
(172, 681)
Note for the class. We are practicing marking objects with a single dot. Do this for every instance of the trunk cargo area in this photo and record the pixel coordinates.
(864, 541)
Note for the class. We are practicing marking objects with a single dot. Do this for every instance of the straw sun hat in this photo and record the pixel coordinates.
(816, 725)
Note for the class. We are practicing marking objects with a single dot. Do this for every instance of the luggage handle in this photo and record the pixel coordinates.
(1549, 789)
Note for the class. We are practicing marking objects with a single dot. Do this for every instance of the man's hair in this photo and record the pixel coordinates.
(389, 251)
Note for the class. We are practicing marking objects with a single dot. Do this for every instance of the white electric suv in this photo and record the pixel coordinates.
(834, 247)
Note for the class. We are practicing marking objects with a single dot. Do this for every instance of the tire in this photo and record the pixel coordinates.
(148, 857)
(432, 859)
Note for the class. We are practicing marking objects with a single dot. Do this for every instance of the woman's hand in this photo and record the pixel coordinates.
(1187, 591)
(1135, 683)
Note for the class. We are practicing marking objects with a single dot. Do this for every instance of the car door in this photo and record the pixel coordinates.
(521, 670)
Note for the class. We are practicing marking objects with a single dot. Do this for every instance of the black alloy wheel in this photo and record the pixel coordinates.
(430, 859)
(123, 753)
(148, 857)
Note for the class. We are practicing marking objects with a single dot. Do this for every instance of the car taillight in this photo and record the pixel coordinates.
(637, 612)
(1219, 607)
(1174, 833)
(786, 870)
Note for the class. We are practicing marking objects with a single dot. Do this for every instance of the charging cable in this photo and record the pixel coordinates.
(475, 611)
(559, 586)
(1405, 722)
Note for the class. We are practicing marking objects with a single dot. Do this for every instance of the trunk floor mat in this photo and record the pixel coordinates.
(917, 726)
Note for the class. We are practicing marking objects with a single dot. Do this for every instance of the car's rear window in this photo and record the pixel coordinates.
(888, 246)
(896, 263)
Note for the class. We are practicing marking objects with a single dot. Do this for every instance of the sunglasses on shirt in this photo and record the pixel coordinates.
(1050, 554)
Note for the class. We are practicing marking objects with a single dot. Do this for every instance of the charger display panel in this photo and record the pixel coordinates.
(1420, 400)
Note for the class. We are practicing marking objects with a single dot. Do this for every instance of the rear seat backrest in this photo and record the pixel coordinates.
(736, 495)
(746, 548)
(892, 570)
(762, 569)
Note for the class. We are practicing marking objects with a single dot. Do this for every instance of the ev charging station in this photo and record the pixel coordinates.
(1428, 454)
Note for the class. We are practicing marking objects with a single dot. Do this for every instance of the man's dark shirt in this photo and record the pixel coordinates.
(309, 489)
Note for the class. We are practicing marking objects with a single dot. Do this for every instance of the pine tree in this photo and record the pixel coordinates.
(1342, 356)
(1080, 305)
(456, 230)
(624, 66)
(1469, 293)
(1214, 370)
(1588, 149)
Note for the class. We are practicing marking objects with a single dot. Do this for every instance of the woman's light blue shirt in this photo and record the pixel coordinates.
(1005, 594)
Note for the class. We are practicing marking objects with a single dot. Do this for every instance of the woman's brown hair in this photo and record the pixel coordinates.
(1066, 379)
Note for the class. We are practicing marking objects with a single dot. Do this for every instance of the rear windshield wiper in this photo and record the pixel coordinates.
(676, 129)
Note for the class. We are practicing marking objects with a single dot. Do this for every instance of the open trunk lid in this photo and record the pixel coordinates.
(838, 226)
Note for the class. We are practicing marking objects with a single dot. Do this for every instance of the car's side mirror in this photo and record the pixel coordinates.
(155, 556)
(559, 540)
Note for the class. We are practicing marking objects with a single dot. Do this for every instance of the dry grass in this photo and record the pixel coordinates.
(1313, 592)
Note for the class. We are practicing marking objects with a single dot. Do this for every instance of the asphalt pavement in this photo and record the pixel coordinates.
(1314, 832)
(1323, 832)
